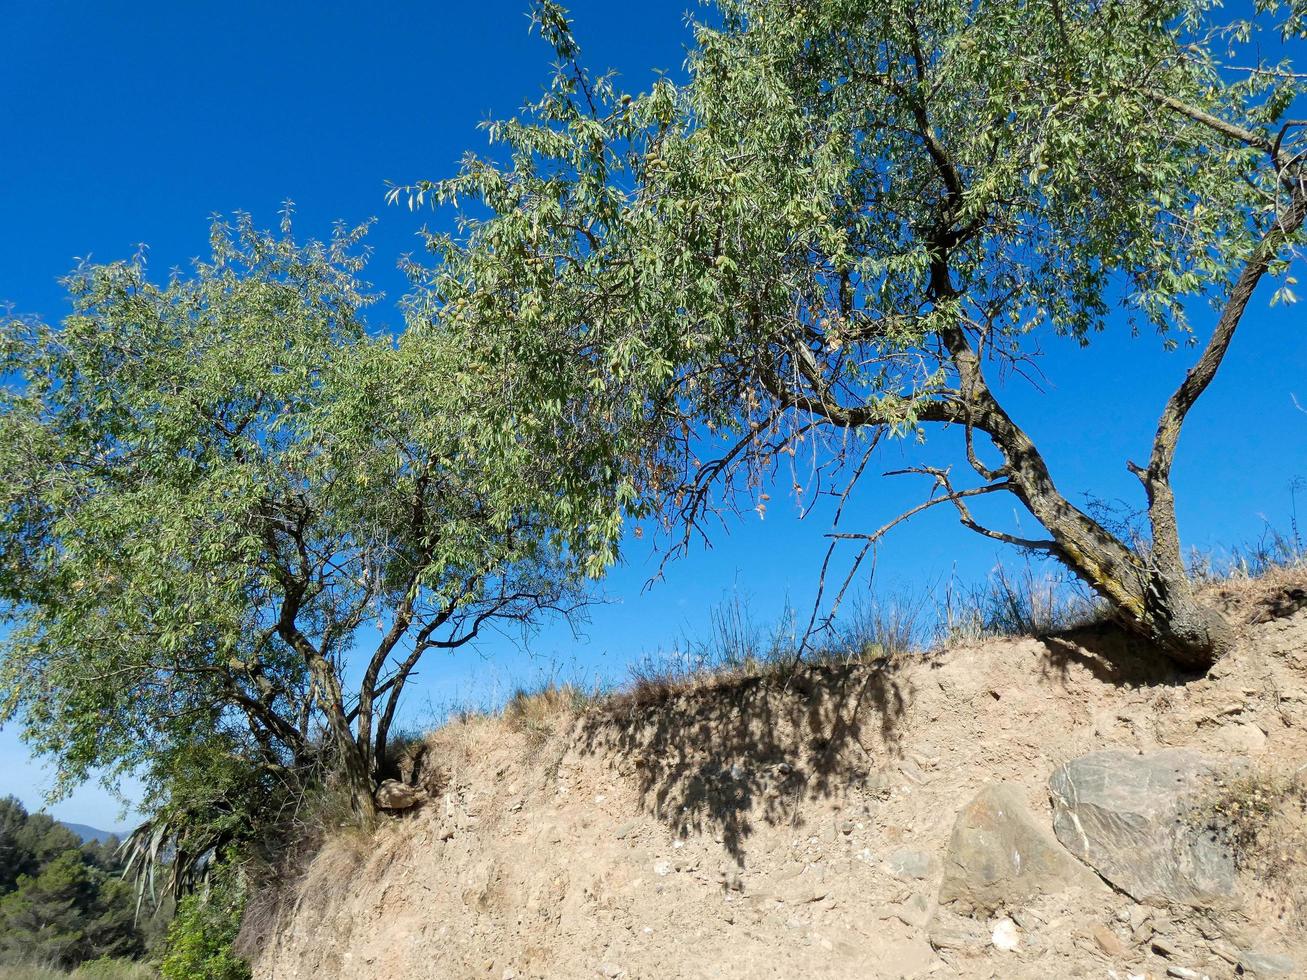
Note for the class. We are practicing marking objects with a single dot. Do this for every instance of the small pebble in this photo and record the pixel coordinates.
(1006, 936)
(1107, 940)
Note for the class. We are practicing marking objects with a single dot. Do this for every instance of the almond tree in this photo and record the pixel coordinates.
(234, 522)
(855, 214)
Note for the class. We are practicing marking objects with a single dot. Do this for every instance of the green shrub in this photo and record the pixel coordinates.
(201, 935)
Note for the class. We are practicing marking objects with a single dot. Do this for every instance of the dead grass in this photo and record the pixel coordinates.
(537, 714)
(1277, 593)
(323, 827)
(1254, 583)
(876, 629)
(1258, 581)
(1025, 600)
(1272, 550)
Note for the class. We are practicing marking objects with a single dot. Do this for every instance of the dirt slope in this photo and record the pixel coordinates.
(750, 830)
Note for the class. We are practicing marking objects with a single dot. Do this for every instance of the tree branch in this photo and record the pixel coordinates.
(1228, 129)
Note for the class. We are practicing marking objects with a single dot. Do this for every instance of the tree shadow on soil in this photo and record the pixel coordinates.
(1113, 656)
(712, 758)
(716, 755)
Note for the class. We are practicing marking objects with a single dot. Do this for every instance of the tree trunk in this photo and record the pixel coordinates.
(1154, 600)
(1192, 634)
(359, 781)
(353, 764)
(1150, 594)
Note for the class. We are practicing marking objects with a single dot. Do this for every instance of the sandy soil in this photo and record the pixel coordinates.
(751, 829)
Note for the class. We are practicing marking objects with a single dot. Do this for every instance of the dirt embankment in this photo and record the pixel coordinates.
(891, 820)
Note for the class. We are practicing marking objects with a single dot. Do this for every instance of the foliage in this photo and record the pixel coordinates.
(211, 491)
(202, 933)
(60, 902)
(28, 842)
(848, 218)
(217, 803)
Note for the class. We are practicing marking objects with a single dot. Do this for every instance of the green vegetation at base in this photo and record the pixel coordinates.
(101, 969)
(204, 930)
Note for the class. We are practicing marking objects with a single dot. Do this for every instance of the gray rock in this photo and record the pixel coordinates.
(1129, 817)
(999, 857)
(1261, 964)
(904, 862)
(394, 795)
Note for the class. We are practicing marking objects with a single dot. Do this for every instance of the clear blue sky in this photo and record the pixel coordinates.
(120, 128)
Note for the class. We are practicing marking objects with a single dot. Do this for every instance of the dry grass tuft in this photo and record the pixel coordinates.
(323, 827)
(1260, 581)
(1276, 594)
(1025, 601)
(877, 630)
(537, 714)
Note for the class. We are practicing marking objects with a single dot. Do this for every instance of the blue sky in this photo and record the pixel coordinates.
(120, 129)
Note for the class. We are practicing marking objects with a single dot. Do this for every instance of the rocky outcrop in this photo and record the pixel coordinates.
(1259, 964)
(1130, 817)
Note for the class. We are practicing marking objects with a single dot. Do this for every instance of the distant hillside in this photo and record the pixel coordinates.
(88, 834)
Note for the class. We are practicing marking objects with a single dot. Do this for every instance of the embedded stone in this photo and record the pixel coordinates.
(999, 857)
(394, 795)
(1130, 817)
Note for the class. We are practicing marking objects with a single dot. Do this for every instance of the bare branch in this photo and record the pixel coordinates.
(1228, 129)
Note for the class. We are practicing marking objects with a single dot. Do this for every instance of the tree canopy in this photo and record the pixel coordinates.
(235, 516)
(234, 521)
(854, 215)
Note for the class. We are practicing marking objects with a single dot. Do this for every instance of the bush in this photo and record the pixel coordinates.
(202, 933)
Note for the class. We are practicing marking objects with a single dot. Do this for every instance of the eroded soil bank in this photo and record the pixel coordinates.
(891, 820)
